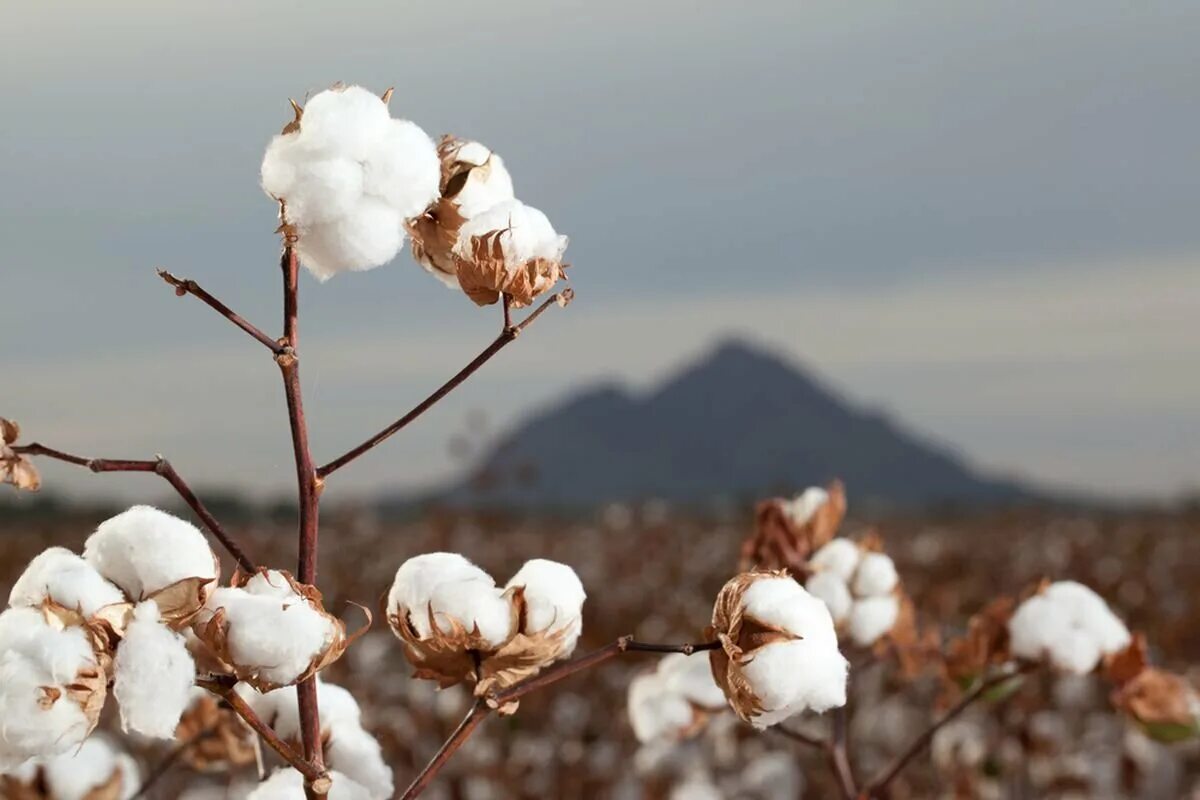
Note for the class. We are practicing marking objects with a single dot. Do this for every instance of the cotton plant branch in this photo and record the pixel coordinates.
(839, 759)
(185, 286)
(508, 334)
(169, 760)
(497, 699)
(878, 786)
(159, 466)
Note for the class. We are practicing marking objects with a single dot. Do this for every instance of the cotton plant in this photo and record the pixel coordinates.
(860, 586)
(787, 531)
(457, 625)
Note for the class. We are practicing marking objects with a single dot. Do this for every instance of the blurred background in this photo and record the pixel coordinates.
(946, 252)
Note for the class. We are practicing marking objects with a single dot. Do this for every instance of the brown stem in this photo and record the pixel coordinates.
(839, 761)
(308, 493)
(187, 286)
(507, 335)
(164, 766)
(476, 715)
(313, 773)
(879, 784)
(802, 738)
(161, 467)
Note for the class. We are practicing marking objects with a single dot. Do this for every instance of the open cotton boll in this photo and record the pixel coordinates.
(144, 550)
(871, 618)
(691, 678)
(154, 673)
(526, 233)
(404, 171)
(347, 120)
(654, 712)
(76, 774)
(795, 676)
(1089, 611)
(839, 557)
(780, 601)
(554, 598)
(356, 754)
(833, 592)
(368, 236)
(876, 575)
(286, 783)
(807, 503)
(418, 576)
(474, 605)
(51, 687)
(1068, 624)
(62, 576)
(486, 184)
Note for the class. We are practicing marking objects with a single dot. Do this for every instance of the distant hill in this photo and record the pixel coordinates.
(741, 422)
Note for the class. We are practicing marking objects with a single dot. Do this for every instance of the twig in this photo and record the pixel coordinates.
(507, 335)
(161, 467)
(476, 715)
(839, 761)
(314, 774)
(802, 738)
(187, 286)
(164, 766)
(308, 492)
(922, 741)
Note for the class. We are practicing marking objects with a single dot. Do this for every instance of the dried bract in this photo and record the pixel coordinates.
(510, 249)
(788, 532)
(15, 468)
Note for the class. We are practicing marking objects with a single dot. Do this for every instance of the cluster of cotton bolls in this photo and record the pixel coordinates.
(779, 650)
(77, 623)
(95, 769)
(859, 586)
(350, 751)
(1067, 624)
(269, 629)
(458, 625)
(674, 700)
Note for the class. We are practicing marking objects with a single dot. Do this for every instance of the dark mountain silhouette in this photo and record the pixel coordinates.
(741, 422)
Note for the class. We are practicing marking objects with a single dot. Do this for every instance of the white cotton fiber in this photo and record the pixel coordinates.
(286, 783)
(474, 605)
(527, 233)
(143, 550)
(691, 678)
(65, 578)
(483, 188)
(554, 598)
(871, 618)
(654, 712)
(1068, 624)
(272, 631)
(37, 664)
(807, 503)
(780, 601)
(349, 178)
(455, 589)
(832, 591)
(75, 774)
(356, 754)
(876, 575)
(154, 673)
(839, 556)
(280, 710)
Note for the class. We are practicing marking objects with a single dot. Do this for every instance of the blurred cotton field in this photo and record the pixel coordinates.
(1055, 736)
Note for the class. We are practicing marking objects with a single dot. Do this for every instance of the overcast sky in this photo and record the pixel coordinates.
(981, 217)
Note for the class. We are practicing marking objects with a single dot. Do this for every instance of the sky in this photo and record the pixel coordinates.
(979, 217)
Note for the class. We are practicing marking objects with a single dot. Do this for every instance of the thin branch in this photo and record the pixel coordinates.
(506, 336)
(164, 766)
(922, 741)
(839, 761)
(313, 773)
(802, 738)
(185, 286)
(161, 467)
(476, 715)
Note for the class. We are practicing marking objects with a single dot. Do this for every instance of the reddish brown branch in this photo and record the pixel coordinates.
(879, 784)
(161, 467)
(470, 722)
(507, 335)
(186, 286)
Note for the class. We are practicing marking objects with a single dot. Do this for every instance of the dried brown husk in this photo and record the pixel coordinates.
(217, 737)
(10, 431)
(916, 649)
(19, 472)
(35, 788)
(522, 656)
(104, 629)
(741, 636)
(484, 274)
(179, 602)
(448, 656)
(1164, 703)
(985, 642)
(779, 542)
(214, 634)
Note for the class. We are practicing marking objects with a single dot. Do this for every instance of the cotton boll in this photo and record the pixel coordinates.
(154, 673)
(780, 601)
(654, 712)
(690, 677)
(554, 598)
(871, 618)
(1076, 652)
(324, 191)
(833, 592)
(417, 577)
(1070, 625)
(795, 676)
(527, 233)
(450, 584)
(1088, 610)
(403, 170)
(487, 182)
(350, 121)
(62, 576)
(286, 783)
(356, 753)
(876, 575)
(840, 557)
(474, 605)
(144, 550)
(368, 236)
(802, 508)
(76, 774)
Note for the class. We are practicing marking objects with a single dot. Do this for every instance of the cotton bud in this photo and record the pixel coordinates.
(271, 630)
(1068, 625)
(154, 674)
(15, 468)
(348, 176)
(510, 249)
(152, 555)
(457, 625)
(286, 783)
(474, 179)
(779, 651)
(52, 687)
(96, 770)
(220, 740)
(675, 700)
(787, 532)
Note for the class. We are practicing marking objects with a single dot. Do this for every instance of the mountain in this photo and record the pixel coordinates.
(741, 422)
